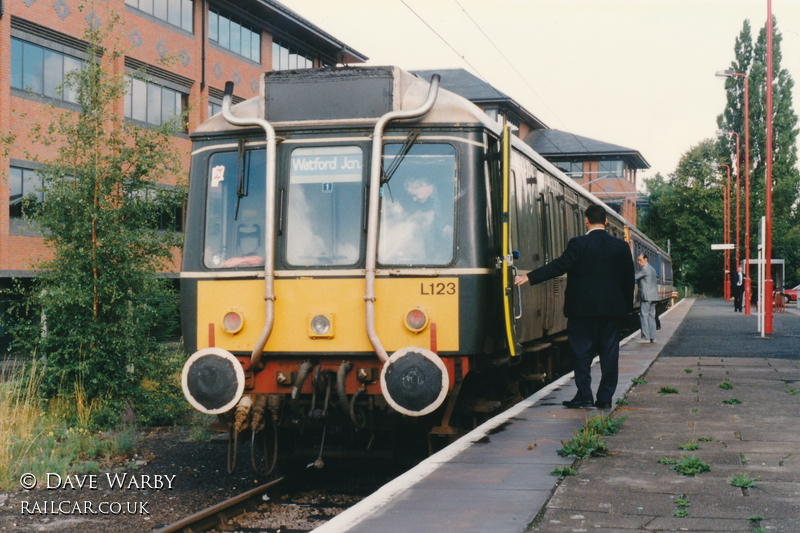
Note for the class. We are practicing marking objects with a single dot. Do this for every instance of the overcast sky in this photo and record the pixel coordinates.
(638, 73)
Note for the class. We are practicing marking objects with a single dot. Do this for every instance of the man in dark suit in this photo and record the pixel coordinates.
(737, 284)
(598, 297)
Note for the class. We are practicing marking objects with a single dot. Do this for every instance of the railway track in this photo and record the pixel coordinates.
(300, 502)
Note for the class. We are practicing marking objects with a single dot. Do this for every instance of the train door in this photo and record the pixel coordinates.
(548, 250)
(510, 293)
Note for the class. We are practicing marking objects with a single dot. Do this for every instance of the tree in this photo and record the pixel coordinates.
(687, 210)
(93, 311)
(751, 60)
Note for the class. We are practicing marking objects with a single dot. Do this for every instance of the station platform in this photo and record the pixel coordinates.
(497, 478)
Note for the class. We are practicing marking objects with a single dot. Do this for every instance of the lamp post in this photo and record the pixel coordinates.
(726, 236)
(768, 184)
(726, 74)
(738, 189)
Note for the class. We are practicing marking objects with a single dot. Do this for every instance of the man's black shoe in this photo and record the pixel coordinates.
(577, 403)
(602, 405)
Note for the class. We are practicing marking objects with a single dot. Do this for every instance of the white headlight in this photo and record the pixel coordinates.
(320, 325)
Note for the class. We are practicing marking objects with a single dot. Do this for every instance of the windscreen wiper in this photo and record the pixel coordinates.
(242, 185)
(399, 157)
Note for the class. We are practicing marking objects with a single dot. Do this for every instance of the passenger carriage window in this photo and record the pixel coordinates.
(323, 226)
(418, 205)
(235, 212)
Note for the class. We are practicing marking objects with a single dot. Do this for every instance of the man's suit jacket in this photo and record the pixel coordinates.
(648, 283)
(738, 290)
(599, 270)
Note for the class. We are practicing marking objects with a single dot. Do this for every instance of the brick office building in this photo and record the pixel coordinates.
(210, 42)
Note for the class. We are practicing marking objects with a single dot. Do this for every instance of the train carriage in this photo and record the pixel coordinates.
(351, 240)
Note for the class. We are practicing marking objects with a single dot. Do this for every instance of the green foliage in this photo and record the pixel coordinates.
(690, 466)
(687, 208)
(667, 461)
(663, 391)
(726, 385)
(604, 424)
(705, 439)
(638, 381)
(585, 442)
(688, 370)
(742, 481)
(689, 446)
(564, 472)
(682, 504)
(792, 391)
(622, 401)
(732, 401)
(751, 60)
(97, 310)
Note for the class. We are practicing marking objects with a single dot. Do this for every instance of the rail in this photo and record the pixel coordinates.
(219, 514)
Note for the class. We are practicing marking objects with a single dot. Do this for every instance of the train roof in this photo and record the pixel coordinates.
(343, 95)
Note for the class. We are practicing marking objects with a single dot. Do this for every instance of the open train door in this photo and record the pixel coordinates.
(511, 293)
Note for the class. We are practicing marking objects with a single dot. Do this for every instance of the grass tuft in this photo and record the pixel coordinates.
(726, 385)
(564, 472)
(638, 381)
(663, 391)
(689, 446)
(690, 466)
(605, 424)
(742, 481)
(38, 436)
(585, 442)
(732, 401)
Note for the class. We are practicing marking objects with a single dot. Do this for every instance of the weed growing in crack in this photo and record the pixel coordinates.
(564, 472)
(732, 401)
(585, 442)
(689, 446)
(742, 481)
(604, 424)
(690, 466)
(663, 391)
(726, 385)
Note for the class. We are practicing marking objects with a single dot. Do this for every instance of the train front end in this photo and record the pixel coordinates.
(322, 285)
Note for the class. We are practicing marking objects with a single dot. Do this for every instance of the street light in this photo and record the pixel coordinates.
(727, 74)
(738, 189)
(768, 184)
(726, 232)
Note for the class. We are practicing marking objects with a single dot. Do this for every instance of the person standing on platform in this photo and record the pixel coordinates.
(738, 290)
(599, 296)
(648, 296)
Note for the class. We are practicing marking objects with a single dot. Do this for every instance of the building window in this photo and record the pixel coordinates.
(612, 169)
(573, 169)
(234, 36)
(286, 58)
(214, 108)
(151, 103)
(25, 187)
(42, 71)
(175, 12)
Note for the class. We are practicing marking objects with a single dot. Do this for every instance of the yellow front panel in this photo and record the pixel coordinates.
(343, 299)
